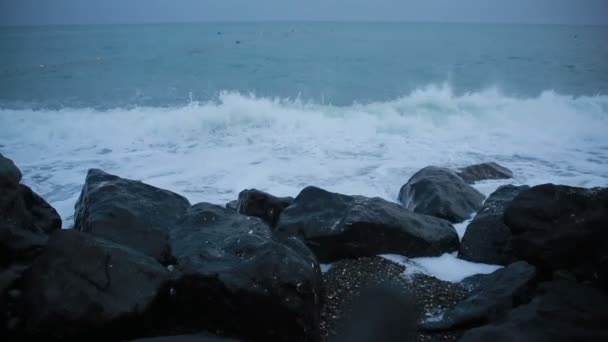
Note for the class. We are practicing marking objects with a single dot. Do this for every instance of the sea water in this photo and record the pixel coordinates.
(209, 109)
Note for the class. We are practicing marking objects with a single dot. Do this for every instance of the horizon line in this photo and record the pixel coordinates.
(339, 21)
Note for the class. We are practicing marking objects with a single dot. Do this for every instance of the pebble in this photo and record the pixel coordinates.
(345, 278)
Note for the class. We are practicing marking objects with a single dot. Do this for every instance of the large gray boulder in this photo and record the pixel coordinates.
(484, 171)
(562, 311)
(82, 287)
(440, 192)
(234, 276)
(487, 237)
(129, 212)
(556, 227)
(492, 296)
(337, 226)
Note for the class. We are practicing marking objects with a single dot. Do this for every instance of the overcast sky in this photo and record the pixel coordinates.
(37, 12)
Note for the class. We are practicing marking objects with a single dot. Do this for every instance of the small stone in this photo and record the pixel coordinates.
(12, 323)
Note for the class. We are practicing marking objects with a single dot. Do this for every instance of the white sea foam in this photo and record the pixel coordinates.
(446, 267)
(211, 151)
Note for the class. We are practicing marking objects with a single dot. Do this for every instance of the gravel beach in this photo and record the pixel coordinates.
(345, 280)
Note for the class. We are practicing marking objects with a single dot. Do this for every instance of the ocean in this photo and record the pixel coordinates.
(209, 109)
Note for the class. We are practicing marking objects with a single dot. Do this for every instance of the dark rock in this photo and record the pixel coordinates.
(559, 227)
(14, 293)
(562, 311)
(89, 288)
(186, 338)
(235, 277)
(22, 208)
(337, 226)
(487, 238)
(25, 222)
(260, 204)
(19, 245)
(8, 277)
(493, 295)
(43, 217)
(441, 193)
(232, 205)
(9, 173)
(129, 212)
(484, 171)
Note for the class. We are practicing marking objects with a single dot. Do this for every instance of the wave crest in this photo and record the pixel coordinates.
(214, 149)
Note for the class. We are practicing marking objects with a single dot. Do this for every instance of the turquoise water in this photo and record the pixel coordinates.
(331, 63)
(355, 108)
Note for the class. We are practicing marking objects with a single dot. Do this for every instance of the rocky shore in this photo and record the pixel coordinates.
(143, 263)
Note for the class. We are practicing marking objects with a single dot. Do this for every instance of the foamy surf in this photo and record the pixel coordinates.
(211, 151)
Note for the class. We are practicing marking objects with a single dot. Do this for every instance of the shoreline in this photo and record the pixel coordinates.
(305, 268)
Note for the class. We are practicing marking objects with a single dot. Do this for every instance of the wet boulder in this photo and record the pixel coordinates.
(9, 172)
(260, 204)
(129, 212)
(42, 217)
(234, 276)
(441, 193)
(19, 246)
(484, 171)
(556, 227)
(337, 226)
(83, 287)
(232, 205)
(20, 206)
(25, 222)
(562, 310)
(186, 338)
(492, 297)
(487, 237)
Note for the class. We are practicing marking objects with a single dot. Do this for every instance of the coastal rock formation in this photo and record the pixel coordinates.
(26, 220)
(337, 226)
(84, 286)
(556, 227)
(484, 171)
(440, 192)
(563, 310)
(230, 267)
(487, 238)
(129, 212)
(186, 338)
(20, 206)
(143, 263)
(493, 295)
(260, 204)
(9, 172)
(232, 205)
